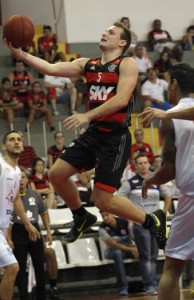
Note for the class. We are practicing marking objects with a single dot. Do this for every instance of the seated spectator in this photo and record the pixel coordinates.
(188, 39)
(27, 156)
(160, 39)
(38, 107)
(143, 63)
(139, 147)
(55, 150)
(153, 91)
(60, 90)
(81, 87)
(47, 46)
(114, 232)
(40, 183)
(9, 104)
(21, 81)
(163, 65)
(134, 38)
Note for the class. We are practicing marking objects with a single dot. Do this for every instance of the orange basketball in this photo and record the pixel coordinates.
(18, 30)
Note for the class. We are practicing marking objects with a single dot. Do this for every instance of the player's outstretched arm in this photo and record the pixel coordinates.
(150, 114)
(66, 69)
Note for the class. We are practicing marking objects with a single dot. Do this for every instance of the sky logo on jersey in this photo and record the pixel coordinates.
(100, 92)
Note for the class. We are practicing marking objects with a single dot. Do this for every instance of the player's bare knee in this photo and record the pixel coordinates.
(12, 270)
(101, 199)
(52, 174)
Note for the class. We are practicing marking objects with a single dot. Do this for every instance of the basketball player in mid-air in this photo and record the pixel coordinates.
(9, 200)
(111, 80)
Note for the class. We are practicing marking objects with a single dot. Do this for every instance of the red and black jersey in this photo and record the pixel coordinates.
(55, 152)
(37, 99)
(19, 80)
(40, 183)
(145, 149)
(102, 81)
(26, 157)
(47, 42)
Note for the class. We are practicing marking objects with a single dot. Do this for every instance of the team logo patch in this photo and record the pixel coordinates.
(32, 201)
(112, 68)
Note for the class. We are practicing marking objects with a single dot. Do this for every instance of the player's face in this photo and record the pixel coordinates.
(142, 165)
(13, 145)
(111, 38)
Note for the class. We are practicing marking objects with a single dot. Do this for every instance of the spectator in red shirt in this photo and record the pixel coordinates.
(47, 46)
(9, 103)
(38, 107)
(21, 81)
(26, 156)
(140, 147)
(40, 183)
(55, 150)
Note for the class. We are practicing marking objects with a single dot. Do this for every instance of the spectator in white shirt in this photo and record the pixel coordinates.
(60, 90)
(143, 63)
(153, 91)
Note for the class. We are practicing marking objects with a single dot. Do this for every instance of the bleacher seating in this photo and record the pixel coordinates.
(60, 254)
(83, 253)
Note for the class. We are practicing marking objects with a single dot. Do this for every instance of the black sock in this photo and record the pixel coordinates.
(80, 212)
(149, 221)
(53, 283)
